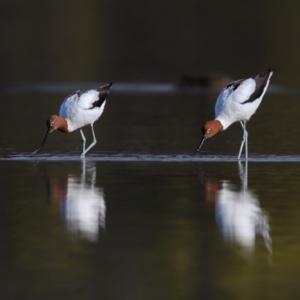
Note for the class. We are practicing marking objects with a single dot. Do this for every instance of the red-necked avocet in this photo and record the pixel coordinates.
(237, 102)
(79, 109)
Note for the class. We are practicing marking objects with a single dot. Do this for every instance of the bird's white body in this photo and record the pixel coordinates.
(231, 107)
(237, 103)
(78, 109)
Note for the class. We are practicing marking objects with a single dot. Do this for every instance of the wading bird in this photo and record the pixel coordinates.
(237, 102)
(80, 108)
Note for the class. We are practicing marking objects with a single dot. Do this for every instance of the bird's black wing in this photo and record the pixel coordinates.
(260, 83)
(235, 84)
(103, 93)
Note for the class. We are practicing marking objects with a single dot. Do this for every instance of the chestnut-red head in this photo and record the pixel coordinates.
(54, 123)
(209, 129)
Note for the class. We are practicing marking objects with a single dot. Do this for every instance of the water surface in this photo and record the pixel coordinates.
(142, 217)
(152, 228)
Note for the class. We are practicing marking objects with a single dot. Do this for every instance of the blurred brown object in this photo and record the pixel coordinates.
(211, 80)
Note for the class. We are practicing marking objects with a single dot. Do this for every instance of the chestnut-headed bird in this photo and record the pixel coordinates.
(79, 109)
(237, 102)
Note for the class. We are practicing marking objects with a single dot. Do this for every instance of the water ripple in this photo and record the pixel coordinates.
(148, 158)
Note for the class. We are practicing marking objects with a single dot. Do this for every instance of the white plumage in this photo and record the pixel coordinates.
(79, 109)
(237, 102)
(230, 106)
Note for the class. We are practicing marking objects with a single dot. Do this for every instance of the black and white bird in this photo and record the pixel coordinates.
(237, 102)
(79, 109)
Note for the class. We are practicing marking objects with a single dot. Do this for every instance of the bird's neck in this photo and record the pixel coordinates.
(216, 127)
(63, 125)
(74, 125)
(225, 122)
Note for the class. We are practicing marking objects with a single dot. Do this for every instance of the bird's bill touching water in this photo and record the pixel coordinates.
(44, 140)
(201, 143)
(54, 123)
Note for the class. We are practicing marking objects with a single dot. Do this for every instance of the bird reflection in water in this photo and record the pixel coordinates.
(81, 203)
(238, 212)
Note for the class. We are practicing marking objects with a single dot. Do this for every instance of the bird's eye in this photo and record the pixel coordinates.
(51, 124)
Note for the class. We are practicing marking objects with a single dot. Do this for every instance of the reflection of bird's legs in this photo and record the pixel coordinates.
(244, 141)
(243, 170)
(88, 172)
(83, 171)
(93, 174)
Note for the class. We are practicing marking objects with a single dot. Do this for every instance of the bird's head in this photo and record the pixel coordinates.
(56, 122)
(209, 129)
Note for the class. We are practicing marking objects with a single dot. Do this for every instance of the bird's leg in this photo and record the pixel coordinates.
(244, 141)
(83, 143)
(91, 145)
(242, 144)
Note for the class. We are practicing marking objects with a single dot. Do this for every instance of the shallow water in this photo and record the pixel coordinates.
(142, 217)
(141, 212)
(152, 228)
(149, 158)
